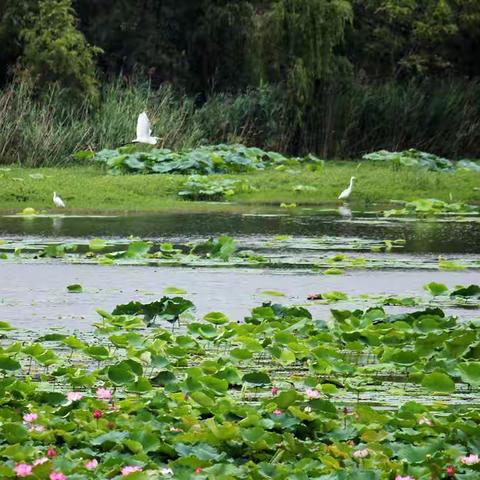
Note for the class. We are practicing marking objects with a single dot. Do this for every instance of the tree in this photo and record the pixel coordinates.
(301, 52)
(407, 38)
(50, 49)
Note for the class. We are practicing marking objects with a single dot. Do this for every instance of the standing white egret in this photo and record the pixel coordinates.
(346, 193)
(58, 201)
(144, 130)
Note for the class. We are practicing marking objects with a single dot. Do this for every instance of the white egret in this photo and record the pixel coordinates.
(58, 201)
(346, 193)
(144, 130)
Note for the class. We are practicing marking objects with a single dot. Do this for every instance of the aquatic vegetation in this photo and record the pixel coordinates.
(423, 160)
(29, 211)
(202, 160)
(200, 187)
(280, 395)
(304, 188)
(432, 206)
(75, 288)
(311, 254)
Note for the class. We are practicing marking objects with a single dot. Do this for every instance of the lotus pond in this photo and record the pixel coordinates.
(257, 343)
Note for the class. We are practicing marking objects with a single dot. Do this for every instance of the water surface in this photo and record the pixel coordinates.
(423, 235)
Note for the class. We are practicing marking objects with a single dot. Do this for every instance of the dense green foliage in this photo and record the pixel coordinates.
(282, 395)
(201, 187)
(424, 160)
(334, 77)
(50, 46)
(203, 160)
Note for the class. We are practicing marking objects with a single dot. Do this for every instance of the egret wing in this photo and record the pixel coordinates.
(143, 126)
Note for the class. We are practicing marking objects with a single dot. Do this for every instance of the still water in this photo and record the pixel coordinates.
(421, 236)
(33, 295)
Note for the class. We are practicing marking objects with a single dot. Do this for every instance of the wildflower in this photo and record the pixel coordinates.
(166, 471)
(74, 396)
(311, 393)
(399, 477)
(30, 417)
(97, 414)
(38, 428)
(91, 464)
(130, 469)
(277, 412)
(470, 459)
(57, 476)
(450, 470)
(274, 390)
(40, 461)
(198, 470)
(51, 452)
(103, 394)
(361, 453)
(424, 421)
(23, 469)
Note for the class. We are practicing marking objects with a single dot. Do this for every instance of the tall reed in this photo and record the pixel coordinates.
(343, 121)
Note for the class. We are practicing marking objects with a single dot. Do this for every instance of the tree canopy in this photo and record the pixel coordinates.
(227, 45)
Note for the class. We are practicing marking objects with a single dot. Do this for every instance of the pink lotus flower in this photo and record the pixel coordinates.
(424, 421)
(274, 390)
(470, 459)
(40, 461)
(277, 412)
(450, 470)
(399, 477)
(91, 464)
(23, 469)
(103, 394)
(51, 452)
(130, 469)
(97, 414)
(74, 396)
(30, 417)
(198, 470)
(57, 476)
(361, 453)
(311, 393)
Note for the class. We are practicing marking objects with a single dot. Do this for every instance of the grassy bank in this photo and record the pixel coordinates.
(90, 188)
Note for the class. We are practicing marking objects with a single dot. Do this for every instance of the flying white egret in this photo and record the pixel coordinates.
(346, 193)
(58, 201)
(144, 130)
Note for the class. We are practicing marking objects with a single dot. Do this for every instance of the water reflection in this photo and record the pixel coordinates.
(345, 211)
(57, 224)
(420, 235)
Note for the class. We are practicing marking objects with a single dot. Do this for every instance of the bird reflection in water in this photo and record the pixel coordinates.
(344, 211)
(57, 223)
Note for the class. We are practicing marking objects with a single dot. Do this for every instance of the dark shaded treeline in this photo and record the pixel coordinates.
(330, 76)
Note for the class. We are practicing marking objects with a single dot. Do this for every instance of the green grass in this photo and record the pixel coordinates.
(91, 189)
